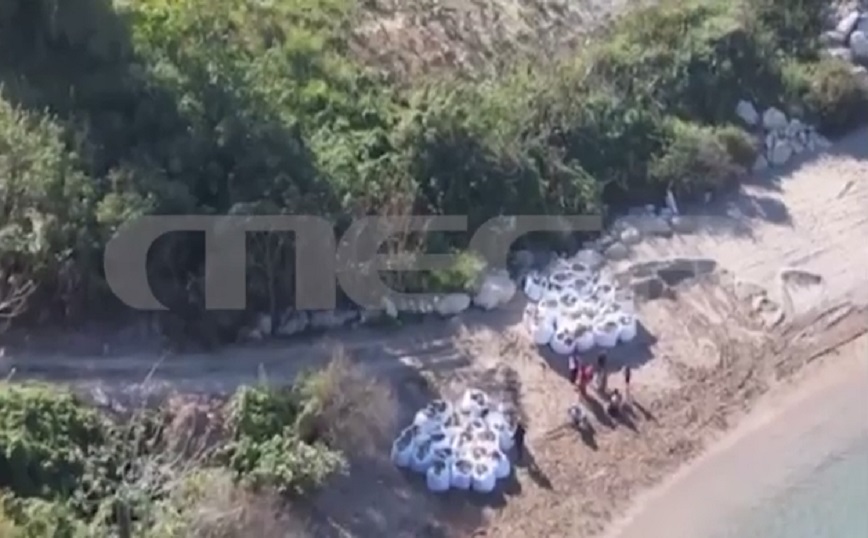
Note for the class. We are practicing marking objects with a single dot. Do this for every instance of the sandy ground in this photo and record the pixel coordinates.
(792, 429)
(705, 356)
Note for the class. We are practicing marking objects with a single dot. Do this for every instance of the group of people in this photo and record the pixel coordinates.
(582, 374)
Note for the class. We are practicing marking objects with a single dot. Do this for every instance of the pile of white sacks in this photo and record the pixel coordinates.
(783, 137)
(575, 306)
(461, 445)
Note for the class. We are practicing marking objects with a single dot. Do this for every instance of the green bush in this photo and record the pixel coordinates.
(795, 24)
(696, 160)
(739, 144)
(265, 449)
(835, 98)
(47, 438)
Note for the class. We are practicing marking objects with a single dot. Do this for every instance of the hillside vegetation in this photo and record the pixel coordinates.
(111, 111)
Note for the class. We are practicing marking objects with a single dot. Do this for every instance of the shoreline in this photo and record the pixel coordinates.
(794, 428)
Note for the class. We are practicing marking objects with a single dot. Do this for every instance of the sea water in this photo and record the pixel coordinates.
(831, 501)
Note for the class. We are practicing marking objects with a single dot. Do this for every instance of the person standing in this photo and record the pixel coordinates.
(574, 363)
(586, 376)
(602, 375)
(518, 440)
(628, 373)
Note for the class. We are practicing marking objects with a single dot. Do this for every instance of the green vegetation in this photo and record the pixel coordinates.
(67, 470)
(110, 111)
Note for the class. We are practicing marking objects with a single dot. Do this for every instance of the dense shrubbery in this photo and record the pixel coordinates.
(67, 470)
(229, 106)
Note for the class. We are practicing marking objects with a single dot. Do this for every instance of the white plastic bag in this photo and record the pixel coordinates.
(628, 328)
(543, 331)
(563, 342)
(438, 476)
(461, 476)
(402, 448)
(584, 339)
(501, 464)
(606, 333)
(484, 478)
(422, 458)
(534, 286)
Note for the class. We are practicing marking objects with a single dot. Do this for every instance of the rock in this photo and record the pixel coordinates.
(862, 25)
(651, 225)
(496, 289)
(293, 322)
(859, 44)
(761, 164)
(649, 289)
(841, 53)
(833, 38)
(453, 304)
(617, 251)
(847, 25)
(590, 258)
(822, 142)
(631, 236)
(780, 153)
(331, 319)
(683, 225)
(774, 120)
(390, 308)
(263, 324)
(747, 112)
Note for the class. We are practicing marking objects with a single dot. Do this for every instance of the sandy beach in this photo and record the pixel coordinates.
(794, 428)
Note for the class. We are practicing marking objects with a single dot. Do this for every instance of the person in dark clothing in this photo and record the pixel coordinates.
(602, 375)
(628, 374)
(518, 439)
(574, 368)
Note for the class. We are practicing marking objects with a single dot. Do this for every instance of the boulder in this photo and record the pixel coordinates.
(683, 225)
(390, 308)
(774, 120)
(780, 153)
(859, 44)
(652, 225)
(496, 289)
(331, 319)
(833, 38)
(840, 53)
(618, 251)
(761, 164)
(631, 236)
(848, 24)
(589, 257)
(293, 322)
(453, 304)
(263, 324)
(747, 112)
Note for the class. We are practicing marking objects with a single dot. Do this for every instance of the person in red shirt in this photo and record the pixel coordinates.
(586, 376)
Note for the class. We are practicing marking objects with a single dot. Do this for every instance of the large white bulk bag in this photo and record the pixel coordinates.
(585, 339)
(439, 439)
(498, 422)
(563, 342)
(473, 402)
(461, 476)
(487, 439)
(606, 333)
(628, 328)
(422, 458)
(501, 464)
(438, 476)
(484, 478)
(402, 448)
(543, 331)
(535, 286)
